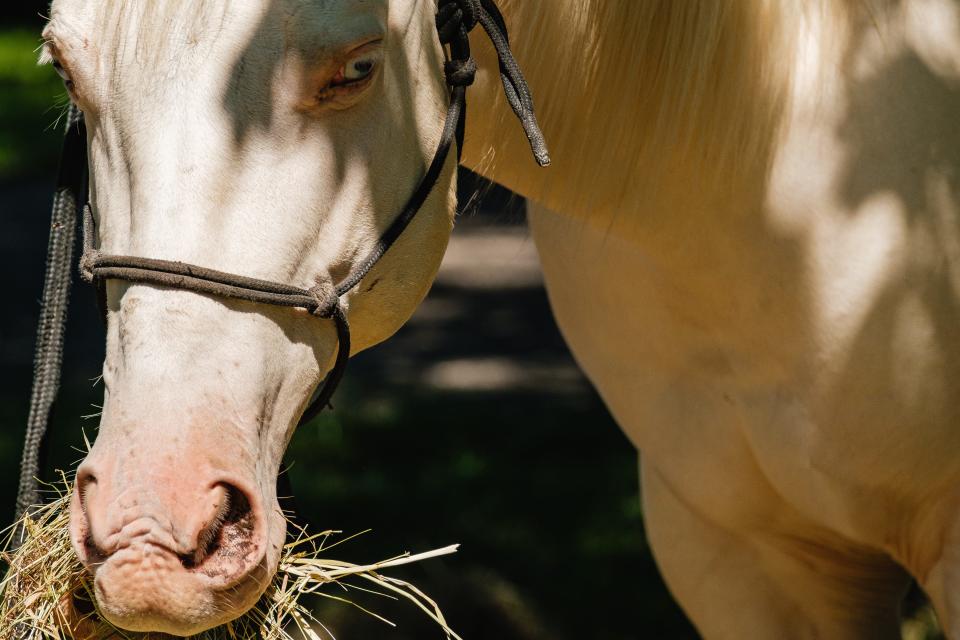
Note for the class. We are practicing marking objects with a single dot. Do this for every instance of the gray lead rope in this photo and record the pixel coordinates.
(48, 352)
(455, 18)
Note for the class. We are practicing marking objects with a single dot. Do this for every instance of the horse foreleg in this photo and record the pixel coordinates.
(772, 584)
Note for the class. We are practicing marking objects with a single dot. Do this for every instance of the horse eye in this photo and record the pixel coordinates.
(63, 74)
(352, 78)
(67, 82)
(60, 70)
(358, 69)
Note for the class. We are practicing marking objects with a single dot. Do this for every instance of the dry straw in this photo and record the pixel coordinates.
(45, 573)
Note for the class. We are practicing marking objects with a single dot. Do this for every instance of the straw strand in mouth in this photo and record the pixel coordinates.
(47, 595)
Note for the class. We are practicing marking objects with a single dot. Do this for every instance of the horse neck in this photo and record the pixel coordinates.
(648, 107)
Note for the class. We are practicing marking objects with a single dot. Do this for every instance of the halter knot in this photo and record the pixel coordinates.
(460, 73)
(326, 298)
(453, 14)
(88, 262)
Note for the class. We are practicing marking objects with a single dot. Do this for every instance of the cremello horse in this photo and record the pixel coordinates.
(750, 239)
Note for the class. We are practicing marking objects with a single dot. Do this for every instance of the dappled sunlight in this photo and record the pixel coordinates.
(848, 292)
(901, 188)
(885, 258)
(502, 374)
(499, 257)
(898, 118)
(487, 290)
(934, 34)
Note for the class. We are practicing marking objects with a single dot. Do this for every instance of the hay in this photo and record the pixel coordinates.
(47, 594)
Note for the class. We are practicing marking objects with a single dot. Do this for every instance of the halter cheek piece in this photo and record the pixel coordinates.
(455, 19)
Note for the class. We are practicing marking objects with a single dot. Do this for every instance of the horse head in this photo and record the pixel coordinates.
(275, 140)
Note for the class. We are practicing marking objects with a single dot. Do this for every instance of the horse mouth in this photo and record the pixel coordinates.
(150, 578)
(223, 544)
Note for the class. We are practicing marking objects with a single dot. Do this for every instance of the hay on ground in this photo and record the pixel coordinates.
(47, 594)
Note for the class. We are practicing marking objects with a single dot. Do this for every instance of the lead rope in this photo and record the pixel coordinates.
(455, 19)
(48, 352)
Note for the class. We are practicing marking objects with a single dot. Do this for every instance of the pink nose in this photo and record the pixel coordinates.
(169, 552)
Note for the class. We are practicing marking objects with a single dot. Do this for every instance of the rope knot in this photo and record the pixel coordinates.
(88, 262)
(453, 14)
(470, 10)
(460, 73)
(326, 298)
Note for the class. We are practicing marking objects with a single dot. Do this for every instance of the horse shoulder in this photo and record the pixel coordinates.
(800, 343)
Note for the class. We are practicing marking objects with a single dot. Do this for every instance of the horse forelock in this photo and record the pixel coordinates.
(159, 36)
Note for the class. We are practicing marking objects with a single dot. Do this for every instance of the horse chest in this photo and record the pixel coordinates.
(762, 386)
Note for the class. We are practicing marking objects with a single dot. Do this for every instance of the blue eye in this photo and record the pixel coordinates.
(359, 69)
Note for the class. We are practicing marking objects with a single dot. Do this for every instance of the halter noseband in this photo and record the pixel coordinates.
(455, 19)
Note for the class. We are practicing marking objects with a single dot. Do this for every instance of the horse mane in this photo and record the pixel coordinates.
(636, 95)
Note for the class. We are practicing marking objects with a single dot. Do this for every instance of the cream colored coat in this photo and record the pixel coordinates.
(763, 285)
(749, 234)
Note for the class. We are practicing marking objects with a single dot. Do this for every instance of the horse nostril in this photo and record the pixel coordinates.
(229, 527)
(86, 480)
(239, 506)
(81, 520)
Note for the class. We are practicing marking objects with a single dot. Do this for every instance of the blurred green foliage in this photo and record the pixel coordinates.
(32, 98)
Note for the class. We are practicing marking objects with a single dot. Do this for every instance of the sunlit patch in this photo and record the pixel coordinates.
(854, 258)
(502, 374)
(497, 259)
(918, 379)
(933, 31)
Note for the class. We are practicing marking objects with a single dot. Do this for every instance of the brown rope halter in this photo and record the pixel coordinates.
(455, 19)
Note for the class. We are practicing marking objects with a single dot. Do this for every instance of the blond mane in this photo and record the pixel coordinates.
(636, 97)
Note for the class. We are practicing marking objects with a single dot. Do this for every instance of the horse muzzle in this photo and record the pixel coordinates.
(177, 552)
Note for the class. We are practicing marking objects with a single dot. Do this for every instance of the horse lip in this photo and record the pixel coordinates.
(118, 543)
(149, 543)
(141, 542)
